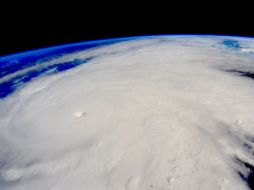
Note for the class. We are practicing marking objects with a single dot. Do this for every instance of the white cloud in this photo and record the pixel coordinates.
(158, 113)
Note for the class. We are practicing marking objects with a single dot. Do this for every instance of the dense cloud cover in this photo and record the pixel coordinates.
(147, 113)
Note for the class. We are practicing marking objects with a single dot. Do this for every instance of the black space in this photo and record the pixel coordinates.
(38, 25)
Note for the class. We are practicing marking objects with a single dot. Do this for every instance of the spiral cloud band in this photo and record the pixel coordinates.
(158, 113)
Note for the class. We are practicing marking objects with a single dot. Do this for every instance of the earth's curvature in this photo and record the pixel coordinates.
(139, 113)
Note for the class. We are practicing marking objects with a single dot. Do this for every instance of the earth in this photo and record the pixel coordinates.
(137, 113)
